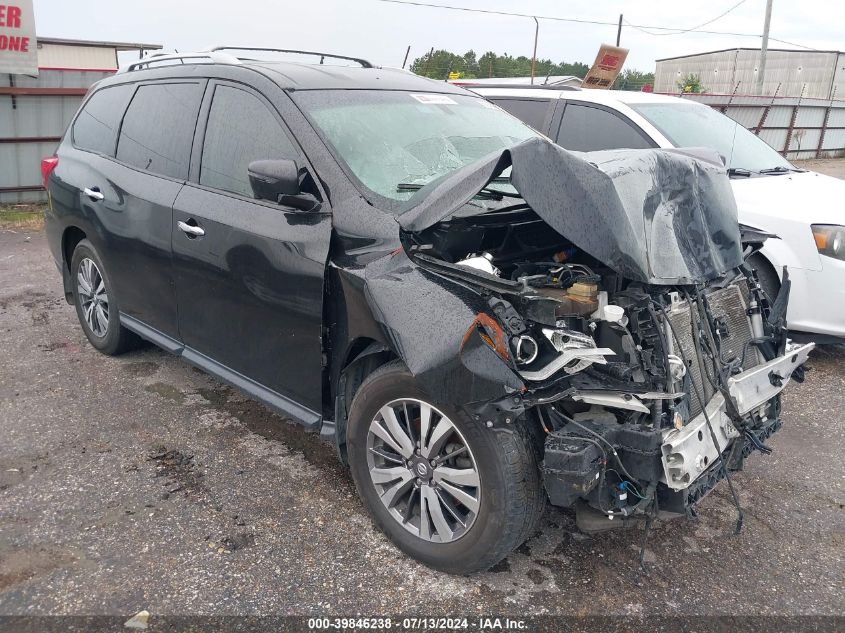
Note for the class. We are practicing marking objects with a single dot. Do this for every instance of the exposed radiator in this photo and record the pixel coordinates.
(728, 304)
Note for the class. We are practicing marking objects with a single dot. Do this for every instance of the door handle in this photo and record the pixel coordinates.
(190, 230)
(94, 193)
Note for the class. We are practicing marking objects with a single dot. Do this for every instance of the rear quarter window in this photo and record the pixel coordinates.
(95, 128)
(158, 128)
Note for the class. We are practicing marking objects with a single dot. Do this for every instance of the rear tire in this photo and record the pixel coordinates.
(508, 500)
(96, 304)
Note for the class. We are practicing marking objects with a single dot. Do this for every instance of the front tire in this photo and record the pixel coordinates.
(96, 305)
(767, 276)
(448, 491)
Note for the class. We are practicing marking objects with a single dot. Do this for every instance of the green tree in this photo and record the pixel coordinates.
(438, 64)
(470, 65)
(691, 83)
(630, 79)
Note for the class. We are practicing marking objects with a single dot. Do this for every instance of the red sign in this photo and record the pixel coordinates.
(18, 49)
(607, 66)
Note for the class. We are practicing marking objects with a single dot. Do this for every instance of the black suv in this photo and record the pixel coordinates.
(477, 319)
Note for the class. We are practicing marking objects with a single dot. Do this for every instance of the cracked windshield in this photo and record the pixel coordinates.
(396, 142)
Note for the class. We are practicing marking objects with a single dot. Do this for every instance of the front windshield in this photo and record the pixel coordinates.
(696, 125)
(393, 142)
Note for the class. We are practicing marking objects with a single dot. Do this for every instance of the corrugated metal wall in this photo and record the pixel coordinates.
(34, 113)
(797, 128)
(716, 71)
(809, 74)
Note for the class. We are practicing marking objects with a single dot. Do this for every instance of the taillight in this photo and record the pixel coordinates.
(47, 166)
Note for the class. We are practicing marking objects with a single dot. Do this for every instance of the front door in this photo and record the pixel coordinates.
(248, 273)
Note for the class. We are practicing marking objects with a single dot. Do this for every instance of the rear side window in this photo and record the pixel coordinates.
(95, 129)
(241, 129)
(158, 128)
(588, 129)
(530, 111)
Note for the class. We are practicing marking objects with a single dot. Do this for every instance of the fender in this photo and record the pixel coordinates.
(427, 321)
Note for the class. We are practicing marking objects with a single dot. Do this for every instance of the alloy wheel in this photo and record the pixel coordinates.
(423, 470)
(91, 289)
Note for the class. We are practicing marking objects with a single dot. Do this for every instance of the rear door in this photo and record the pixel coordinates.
(250, 287)
(153, 157)
(129, 184)
(85, 153)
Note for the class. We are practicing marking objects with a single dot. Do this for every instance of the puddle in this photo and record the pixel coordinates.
(168, 392)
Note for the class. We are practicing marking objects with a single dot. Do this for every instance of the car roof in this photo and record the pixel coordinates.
(296, 75)
(605, 97)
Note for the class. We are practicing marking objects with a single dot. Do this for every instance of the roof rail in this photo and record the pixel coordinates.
(213, 56)
(469, 85)
(363, 62)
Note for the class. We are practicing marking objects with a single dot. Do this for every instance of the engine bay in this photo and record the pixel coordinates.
(635, 386)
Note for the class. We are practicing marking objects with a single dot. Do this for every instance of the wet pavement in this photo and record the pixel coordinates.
(140, 483)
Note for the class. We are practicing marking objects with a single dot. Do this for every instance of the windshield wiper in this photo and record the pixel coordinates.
(780, 169)
(736, 172)
(487, 193)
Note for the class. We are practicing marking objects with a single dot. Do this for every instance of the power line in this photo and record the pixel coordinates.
(492, 12)
(640, 27)
(809, 48)
(693, 28)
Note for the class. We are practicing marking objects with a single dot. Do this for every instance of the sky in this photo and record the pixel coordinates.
(381, 32)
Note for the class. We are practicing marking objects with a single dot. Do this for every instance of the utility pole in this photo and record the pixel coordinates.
(761, 69)
(427, 60)
(534, 56)
(407, 52)
(619, 30)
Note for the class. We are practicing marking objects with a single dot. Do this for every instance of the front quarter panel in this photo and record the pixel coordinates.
(425, 319)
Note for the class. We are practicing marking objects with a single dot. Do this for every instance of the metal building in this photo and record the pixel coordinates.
(790, 73)
(34, 111)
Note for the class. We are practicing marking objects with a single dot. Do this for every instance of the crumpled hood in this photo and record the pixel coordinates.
(655, 216)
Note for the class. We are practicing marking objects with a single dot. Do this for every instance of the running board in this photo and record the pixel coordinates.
(311, 420)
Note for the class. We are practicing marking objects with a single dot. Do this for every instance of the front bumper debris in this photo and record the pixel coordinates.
(752, 388)
(690, 451)
(681, 502)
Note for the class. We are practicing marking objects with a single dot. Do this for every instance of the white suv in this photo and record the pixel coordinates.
(803, 208)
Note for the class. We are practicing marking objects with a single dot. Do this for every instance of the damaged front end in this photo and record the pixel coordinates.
(611, 306)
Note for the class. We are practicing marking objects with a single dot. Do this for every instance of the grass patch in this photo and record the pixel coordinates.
(27, 217)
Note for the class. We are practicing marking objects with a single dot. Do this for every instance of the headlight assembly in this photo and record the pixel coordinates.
(830, 240)
(525, 349)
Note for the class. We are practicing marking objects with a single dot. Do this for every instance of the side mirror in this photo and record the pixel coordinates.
(271, 179)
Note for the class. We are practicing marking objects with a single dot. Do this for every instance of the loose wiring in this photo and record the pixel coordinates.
(627, 485)
(740, 514)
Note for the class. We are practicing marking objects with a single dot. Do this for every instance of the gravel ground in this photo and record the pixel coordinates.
(140, 483)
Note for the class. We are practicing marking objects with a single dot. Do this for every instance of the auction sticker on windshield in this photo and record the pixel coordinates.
(431, 99)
